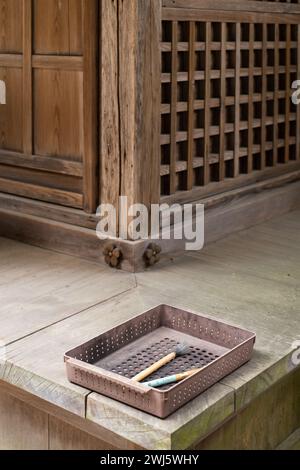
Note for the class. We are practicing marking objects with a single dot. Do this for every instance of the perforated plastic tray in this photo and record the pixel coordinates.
(108, 363)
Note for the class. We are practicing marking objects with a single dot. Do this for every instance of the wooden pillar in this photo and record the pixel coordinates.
(130, 130)
(109, 105)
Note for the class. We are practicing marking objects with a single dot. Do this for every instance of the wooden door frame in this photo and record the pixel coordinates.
(91, 28)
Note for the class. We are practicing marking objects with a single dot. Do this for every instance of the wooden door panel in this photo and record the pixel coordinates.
(11, 121)
(57, 27)
(75, 22)
(48, 127)
(11, 28)
(58, 104)
(40, 178)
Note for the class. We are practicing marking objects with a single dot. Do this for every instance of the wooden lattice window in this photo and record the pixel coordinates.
(226, 97)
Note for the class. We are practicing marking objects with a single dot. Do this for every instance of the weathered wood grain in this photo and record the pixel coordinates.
(49, 62)
(256, 272)
(243, 183)
(292, 442)
(57, 26)
(27, 78)
(263, 430)
(233, 5)
(57, 96)
(60, 196)
(246, 267)
(59, 166)
(11, 115)
(208, 14)
(66, 238)
(47, 379)
(237, 131)
(110, 114)
(77, 423)
(90, 105)
(139, 88)
(62, 436)
(177, 432)
(39, 288)
(11, 26)
(22, 427)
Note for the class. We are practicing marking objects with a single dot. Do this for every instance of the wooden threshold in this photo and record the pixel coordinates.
(272, 177)
(72, 231)
(233, 5)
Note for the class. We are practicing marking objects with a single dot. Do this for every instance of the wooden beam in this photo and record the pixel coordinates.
(27, 77)
(222, 104)
(264, 98)
(173, 107)
(65, 238)
(276, 411)
(139, 95)
(90, 105)
(298, 107)
(243, 181)
(276, 96)
(288, 94)
(43, 193)
(11, 60)
(234, 5)
(191, 99)
(237, 101)
(36, 162)
(130, 101)
(54, 212)
(109, 110)
(250, 105)
(73, 63)
(197, 14)
(208, 40)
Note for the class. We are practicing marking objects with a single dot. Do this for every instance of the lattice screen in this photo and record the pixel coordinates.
(280, 1)
(226, 100)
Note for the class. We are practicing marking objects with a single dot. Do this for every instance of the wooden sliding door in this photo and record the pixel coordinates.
(227, 117)
(48, 126)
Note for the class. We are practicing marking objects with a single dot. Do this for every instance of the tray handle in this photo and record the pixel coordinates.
(107, 375)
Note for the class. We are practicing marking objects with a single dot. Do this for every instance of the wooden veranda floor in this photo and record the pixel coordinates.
(50, 303)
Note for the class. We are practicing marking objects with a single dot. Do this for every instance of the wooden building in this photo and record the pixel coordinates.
(171, 101)
(156, 100)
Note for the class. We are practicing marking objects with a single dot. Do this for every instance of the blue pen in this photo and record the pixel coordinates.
(171, 379)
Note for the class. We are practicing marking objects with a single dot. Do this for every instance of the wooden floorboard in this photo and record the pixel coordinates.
(292, 442)
(249, 279)
(39, 288)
